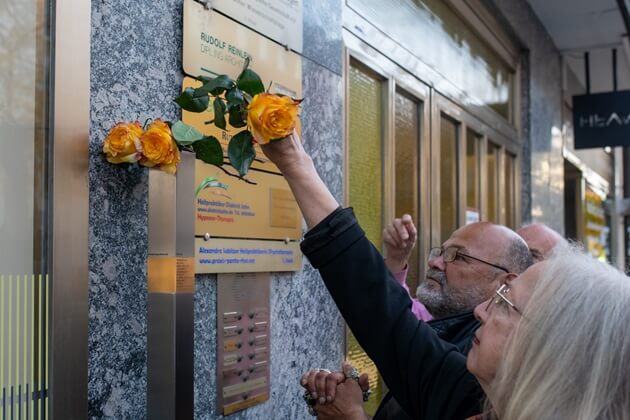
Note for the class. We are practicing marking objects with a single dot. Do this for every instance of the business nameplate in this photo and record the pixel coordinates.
(260, 326)
(245, 403)
(232, 330)
(232, 345)
(231, 359)
(258, 340)
(232, 316)
(244, 386)
(258, 366)
(170, 274)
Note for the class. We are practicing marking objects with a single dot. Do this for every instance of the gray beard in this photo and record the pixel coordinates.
(443, 301)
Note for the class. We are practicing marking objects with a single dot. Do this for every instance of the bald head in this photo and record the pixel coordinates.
(541, 239)
(497, 242)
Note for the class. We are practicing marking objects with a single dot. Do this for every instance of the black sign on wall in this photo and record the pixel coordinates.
(602, 119)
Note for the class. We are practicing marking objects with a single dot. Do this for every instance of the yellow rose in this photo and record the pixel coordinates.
(159, 148)
(271, 117)
(122, 144)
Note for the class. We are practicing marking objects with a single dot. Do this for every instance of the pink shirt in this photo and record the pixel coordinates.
(417, 308)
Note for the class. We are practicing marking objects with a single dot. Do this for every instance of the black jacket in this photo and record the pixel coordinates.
(457, 330)
(426, 375)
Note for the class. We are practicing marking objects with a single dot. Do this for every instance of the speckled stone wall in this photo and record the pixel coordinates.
(541, 102)
(135, 73)
(136, 70)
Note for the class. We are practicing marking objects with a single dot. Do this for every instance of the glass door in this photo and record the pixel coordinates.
(24, 210)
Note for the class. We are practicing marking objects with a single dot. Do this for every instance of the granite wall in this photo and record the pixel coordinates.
(136, 70)
(541, 112)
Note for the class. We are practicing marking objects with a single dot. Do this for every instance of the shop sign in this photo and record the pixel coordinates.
(602, 119)
(280, 20)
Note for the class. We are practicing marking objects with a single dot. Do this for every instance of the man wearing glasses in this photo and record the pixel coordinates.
(465, 271)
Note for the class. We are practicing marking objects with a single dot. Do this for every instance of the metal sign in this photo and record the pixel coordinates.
(602, 119)
(243, 341)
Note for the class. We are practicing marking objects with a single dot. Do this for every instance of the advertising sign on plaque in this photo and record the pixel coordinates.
(601, 119)
(239, 226)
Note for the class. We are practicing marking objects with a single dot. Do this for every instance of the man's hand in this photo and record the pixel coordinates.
(399, 237)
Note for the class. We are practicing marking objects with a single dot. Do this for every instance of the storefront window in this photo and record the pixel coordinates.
(492, 161)
(448, 176)
(365, 195)
(510, 197)
(407, 129)
(473, 141)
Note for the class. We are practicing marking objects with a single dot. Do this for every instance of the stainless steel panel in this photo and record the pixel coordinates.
(161, 356)
(70, 127)
(162, 207)
(185, 207)
(243, 348)
(184, 355)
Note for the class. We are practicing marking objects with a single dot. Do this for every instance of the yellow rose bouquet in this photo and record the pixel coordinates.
(241, 103)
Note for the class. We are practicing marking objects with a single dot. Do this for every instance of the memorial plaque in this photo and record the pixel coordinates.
(214, 44)
(280, 20)
(243, 344)
(240, 227)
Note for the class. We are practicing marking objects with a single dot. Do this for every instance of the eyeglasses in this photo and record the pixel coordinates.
(451, 253)
(500, 299)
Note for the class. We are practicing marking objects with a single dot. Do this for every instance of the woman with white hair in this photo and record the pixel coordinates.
(567, 352)
(554, 343)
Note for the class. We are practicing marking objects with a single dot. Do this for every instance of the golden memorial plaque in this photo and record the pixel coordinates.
(246, 227)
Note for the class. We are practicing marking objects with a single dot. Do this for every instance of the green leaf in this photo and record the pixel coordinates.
(209, 182)
(185, 134)
(238, 116)
(248, 98)
(234, 96)
(209, 150)
(241, 152)
(215, 86)
(219, 113)
(250, 82)
(188, 101)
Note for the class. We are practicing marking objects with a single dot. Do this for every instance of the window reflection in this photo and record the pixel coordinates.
(493, 183)
(407, 129)
(365, 173)
(473, 141)
(510, 188)
(448, 176)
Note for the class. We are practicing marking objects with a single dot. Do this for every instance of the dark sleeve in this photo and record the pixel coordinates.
(426, 375)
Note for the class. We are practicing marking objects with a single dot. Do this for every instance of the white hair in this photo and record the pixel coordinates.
(569, 357)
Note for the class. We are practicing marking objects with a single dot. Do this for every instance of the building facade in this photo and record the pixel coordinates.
(453, 111)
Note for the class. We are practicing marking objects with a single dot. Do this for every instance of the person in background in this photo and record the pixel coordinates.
(541, 240)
